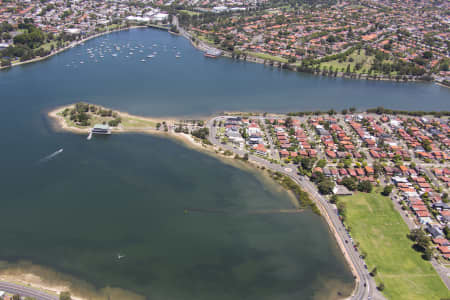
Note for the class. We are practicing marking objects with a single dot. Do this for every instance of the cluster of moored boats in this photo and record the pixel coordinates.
(127, 50)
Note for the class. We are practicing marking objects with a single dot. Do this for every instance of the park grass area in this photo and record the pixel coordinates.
(125, 121)
(267, 56)
(113, 26)
(189, 12)
(205, 39)
(362, 58)
(382, 234)
(129, 122)
(48, 46)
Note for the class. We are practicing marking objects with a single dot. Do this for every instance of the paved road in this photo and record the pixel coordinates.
(365, 285)
(26, 291)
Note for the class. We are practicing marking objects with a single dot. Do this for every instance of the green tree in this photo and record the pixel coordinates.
(365, 186)
(317, 177)
(428, 253)
(334, 199)
(342, 209)
(447, 232)
(420, 238)
(201, 133)
(426, 145)
(64, 296)
(377, 168)
(307, 163)
(5, 63)
(321, 163)
(387, 190)
(325, 187)
(350, 183)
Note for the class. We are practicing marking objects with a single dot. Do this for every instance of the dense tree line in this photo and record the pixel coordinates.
(26, 45)
(82, 114)
(33, 37)
(381, 110)
(320, 112)
(302, 196)
(201, 133)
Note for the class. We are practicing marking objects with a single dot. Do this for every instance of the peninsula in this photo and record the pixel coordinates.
(333, 162)
(81, 117)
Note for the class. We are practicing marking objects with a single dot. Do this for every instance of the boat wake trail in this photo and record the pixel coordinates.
(50, 157)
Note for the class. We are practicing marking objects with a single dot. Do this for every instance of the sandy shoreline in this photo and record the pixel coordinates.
(47, 280)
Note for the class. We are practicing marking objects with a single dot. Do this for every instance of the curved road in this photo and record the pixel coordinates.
(365, 285)
(26, 291)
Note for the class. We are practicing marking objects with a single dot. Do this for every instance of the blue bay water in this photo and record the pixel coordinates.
(128, 193)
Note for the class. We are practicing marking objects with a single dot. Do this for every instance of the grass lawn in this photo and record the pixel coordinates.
(204, 39)
(47, 46)
(130, 123)
(188, 12)
(361, 58)
(268, 56)
(381, 232)
(112, 26)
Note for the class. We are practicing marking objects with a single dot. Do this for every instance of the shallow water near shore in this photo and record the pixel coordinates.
(174, 213)
(130, 194)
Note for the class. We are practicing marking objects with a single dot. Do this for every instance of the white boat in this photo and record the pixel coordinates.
(81, 62)
(114, 54)
(143, 60)
(150, 56)
(177, 56)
